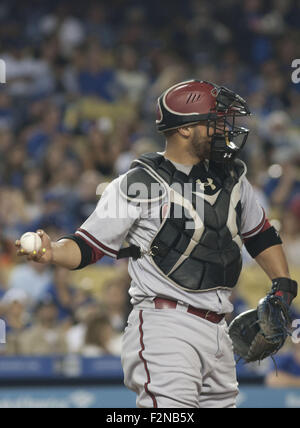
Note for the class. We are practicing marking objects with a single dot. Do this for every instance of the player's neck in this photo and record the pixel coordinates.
(181, 157)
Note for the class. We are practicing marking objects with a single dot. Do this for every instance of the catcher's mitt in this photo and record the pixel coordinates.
(260, 333)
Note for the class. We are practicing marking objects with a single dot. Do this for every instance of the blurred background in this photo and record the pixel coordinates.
(77, 108)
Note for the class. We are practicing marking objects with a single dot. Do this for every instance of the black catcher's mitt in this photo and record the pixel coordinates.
(260, 333)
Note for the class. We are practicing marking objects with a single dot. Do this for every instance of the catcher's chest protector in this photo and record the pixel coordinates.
(198, 246)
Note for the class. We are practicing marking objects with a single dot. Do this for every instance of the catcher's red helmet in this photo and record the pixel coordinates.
(196, 101)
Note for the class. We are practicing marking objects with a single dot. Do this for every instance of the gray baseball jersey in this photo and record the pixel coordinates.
(115, 221)
(171, 358)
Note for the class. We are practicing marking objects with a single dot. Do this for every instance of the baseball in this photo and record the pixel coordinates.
(31, 242)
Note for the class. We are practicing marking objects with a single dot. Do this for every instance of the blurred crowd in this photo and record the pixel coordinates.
(79, 106)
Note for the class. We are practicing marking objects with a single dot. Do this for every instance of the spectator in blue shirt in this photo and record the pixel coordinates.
(96, 79)
(288, 370)
(41, 136)
(64, 295)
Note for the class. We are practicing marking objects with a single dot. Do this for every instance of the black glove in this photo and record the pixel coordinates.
(260, 333)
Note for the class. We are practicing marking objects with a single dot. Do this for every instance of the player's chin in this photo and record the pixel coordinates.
(203, 150)
(205, 154)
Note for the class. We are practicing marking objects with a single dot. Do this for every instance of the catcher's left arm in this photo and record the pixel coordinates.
(273, 262)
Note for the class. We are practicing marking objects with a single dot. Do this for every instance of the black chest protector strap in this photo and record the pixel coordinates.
(133, 252)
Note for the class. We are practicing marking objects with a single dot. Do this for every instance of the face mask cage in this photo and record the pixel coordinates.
(227, 138)
(235, 137)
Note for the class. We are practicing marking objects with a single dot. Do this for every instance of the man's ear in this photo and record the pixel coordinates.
(185, 132)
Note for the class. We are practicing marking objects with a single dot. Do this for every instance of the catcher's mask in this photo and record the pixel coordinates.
(196, 101)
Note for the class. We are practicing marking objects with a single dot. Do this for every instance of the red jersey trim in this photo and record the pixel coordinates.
(97, 254)
(257, 229)
(151, 395)
(92, 240)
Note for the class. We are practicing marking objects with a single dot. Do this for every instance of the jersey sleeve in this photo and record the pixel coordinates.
(253, 215)
(107, 227)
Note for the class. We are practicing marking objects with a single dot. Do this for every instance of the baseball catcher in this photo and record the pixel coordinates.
(186, 213)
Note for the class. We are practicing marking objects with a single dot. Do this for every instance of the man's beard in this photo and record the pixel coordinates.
(200, 146)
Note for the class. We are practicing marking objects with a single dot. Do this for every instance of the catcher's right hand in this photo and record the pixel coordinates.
(43, 256)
